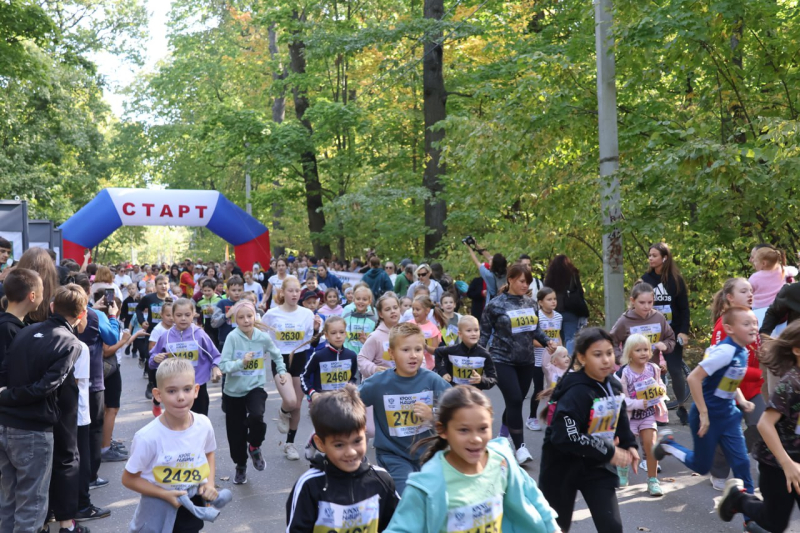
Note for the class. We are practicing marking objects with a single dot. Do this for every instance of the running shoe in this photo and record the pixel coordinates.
(148, 391)
(751, 527)
(622, 472)
(523, 455)
(730, 499)
(98, 483)
(258, 460)
(240, 478)
(283, 421)
(665, 437)
(718, 483)
(533, 424)
(654, 487)
(290, 451)
(113, 456)
(156, 410)
(92, 513)
(76, 528)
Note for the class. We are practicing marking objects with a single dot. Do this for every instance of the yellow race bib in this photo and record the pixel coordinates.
(400, 416)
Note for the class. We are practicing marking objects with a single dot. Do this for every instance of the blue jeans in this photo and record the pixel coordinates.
(26, 462)
(569, 328)
(725, 431)
(398, 467)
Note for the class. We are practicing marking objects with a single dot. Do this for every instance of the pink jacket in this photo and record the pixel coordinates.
(766, 285)
(372, 353)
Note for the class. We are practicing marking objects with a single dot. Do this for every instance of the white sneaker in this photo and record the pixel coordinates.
(523, 455)
(718, 483)
(283, 421)
(643, 466)
(291, 452)
(533, 424)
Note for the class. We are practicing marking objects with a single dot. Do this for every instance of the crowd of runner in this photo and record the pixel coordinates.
(398, 354)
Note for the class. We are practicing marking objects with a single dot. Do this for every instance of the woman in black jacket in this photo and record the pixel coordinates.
(565, 279)
(672, 300)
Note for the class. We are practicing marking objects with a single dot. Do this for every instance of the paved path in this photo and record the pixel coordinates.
(259, 506)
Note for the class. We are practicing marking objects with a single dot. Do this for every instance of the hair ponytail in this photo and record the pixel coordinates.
(778, 354)
(719, 303)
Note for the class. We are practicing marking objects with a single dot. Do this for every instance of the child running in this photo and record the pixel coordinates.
(466, 363)
(290, 326)
(588, 435)
(164, 325)
(738, 292)
(172, 463)
(374, 355)
(205, 309)
(187, 341)
(450, 330)
(778, 455)
(331, 307)
(645, 391)
(714, 418)
(342, 491)
(331, 366)
(469, 482)
(421, 309)
(642, 319)
(361, 320)
(245, 397)
(550, 321)
(403, 398)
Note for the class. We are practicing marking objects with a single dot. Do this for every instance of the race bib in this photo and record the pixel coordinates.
(430, 339)
(155, 313)
(730, 382)
(665, 310)
(651, 331)
(252, 368)
(354, 332)
(361, 517)
(402, 420)
(386, 355)
(188, 350)
(450, 335)
(649, 391)
(334, 374)
(604, 416)
(180, 471)
(132, 308)
(207, 309)
(523, 320)
(551, 328)
(289, 336)
(463, 367)
(484, 517)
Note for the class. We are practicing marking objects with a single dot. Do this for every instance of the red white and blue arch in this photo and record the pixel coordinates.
(114, 208)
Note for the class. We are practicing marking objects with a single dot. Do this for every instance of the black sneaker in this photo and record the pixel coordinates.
(76, 529)
(683, 416)
(664, 438)
(113, 455)
(128, 350)
(92, 513)
(241, 475)
(98, 483)
(730, 498)
(141, 365)
(258, 460)
(117, 445)
(51, 517)
(148, 392)
(751, 527)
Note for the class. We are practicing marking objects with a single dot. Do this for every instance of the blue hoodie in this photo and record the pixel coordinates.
(423, 508)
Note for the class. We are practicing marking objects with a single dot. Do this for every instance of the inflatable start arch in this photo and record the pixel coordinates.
(113, 208)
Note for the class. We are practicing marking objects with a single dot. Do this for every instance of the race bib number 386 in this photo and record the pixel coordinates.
(361, 517)
(400, 416)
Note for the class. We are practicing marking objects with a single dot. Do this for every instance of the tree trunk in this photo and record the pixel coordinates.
(308, 159)
(435, 110)
(278, 114)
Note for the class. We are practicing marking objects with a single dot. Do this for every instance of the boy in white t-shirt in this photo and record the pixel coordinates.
(172, 462)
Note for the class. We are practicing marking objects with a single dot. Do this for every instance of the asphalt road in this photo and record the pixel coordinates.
(259, 506)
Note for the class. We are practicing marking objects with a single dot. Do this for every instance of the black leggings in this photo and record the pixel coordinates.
(514, 383)
(675, 367)
(598, 487)
(774, 512)
(538, 387)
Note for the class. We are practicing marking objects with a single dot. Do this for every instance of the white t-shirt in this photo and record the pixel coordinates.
(289, 330)
(276, 283)
(173, 460)
(122, 282)
(157, 332)
(408, 316)
(256, 288)
(82, 377)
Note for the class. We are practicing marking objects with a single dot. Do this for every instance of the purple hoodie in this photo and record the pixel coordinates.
(193, 344)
